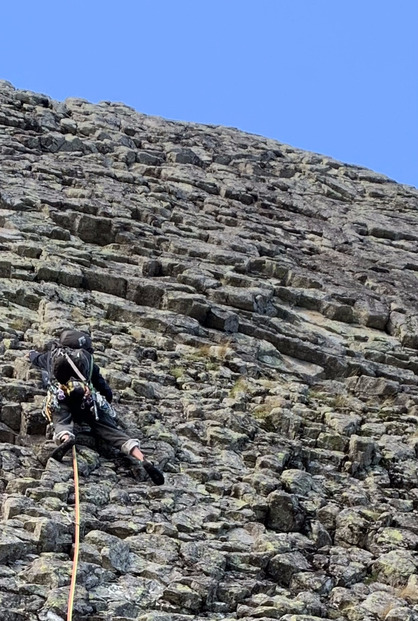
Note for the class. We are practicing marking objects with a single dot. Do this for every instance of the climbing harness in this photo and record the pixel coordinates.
(93, 404)
(77, 387)
(49, 406)
(86, 397)
(76, 538)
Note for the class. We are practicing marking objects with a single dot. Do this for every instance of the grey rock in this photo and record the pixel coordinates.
(184, 156)
(49, 570)
(221, 320)
(10, 415)
(114, 552)
(401, 613)
(291, 617)
(362, 451)
(351, 527)
(282, 566)
(398, 565)
(182, 597)
(284, 512)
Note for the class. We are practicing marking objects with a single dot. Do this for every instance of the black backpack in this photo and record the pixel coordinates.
(76, 340)
(66, 363)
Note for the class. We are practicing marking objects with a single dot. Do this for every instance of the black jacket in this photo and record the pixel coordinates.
(40, 360)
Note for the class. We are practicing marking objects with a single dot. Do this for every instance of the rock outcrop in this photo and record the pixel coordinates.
(254, 308)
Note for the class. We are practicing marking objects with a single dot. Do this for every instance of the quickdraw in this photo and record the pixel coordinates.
(73, 387)
(49, 406)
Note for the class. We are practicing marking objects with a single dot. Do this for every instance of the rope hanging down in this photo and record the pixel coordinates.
(76, 538)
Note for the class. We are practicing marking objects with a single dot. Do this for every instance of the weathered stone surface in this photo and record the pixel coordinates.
(396, 564)
(282, 566)
(253, 307)
(114, 552)
(284, 512)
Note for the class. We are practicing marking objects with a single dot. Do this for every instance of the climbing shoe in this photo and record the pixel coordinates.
(154, 474)
(62, 449)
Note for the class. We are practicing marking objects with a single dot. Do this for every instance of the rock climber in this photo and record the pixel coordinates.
(78, 393)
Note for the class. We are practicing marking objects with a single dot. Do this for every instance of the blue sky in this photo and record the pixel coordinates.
(337, 77)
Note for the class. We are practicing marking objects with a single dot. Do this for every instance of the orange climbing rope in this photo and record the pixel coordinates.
(76, 538)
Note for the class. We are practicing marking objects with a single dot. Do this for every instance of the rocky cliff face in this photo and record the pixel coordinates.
(254, 308)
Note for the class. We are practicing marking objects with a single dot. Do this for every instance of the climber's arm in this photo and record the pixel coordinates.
(39, 359)
(100, 384)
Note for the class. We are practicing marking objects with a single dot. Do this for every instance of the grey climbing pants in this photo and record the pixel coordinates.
(104, 427)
